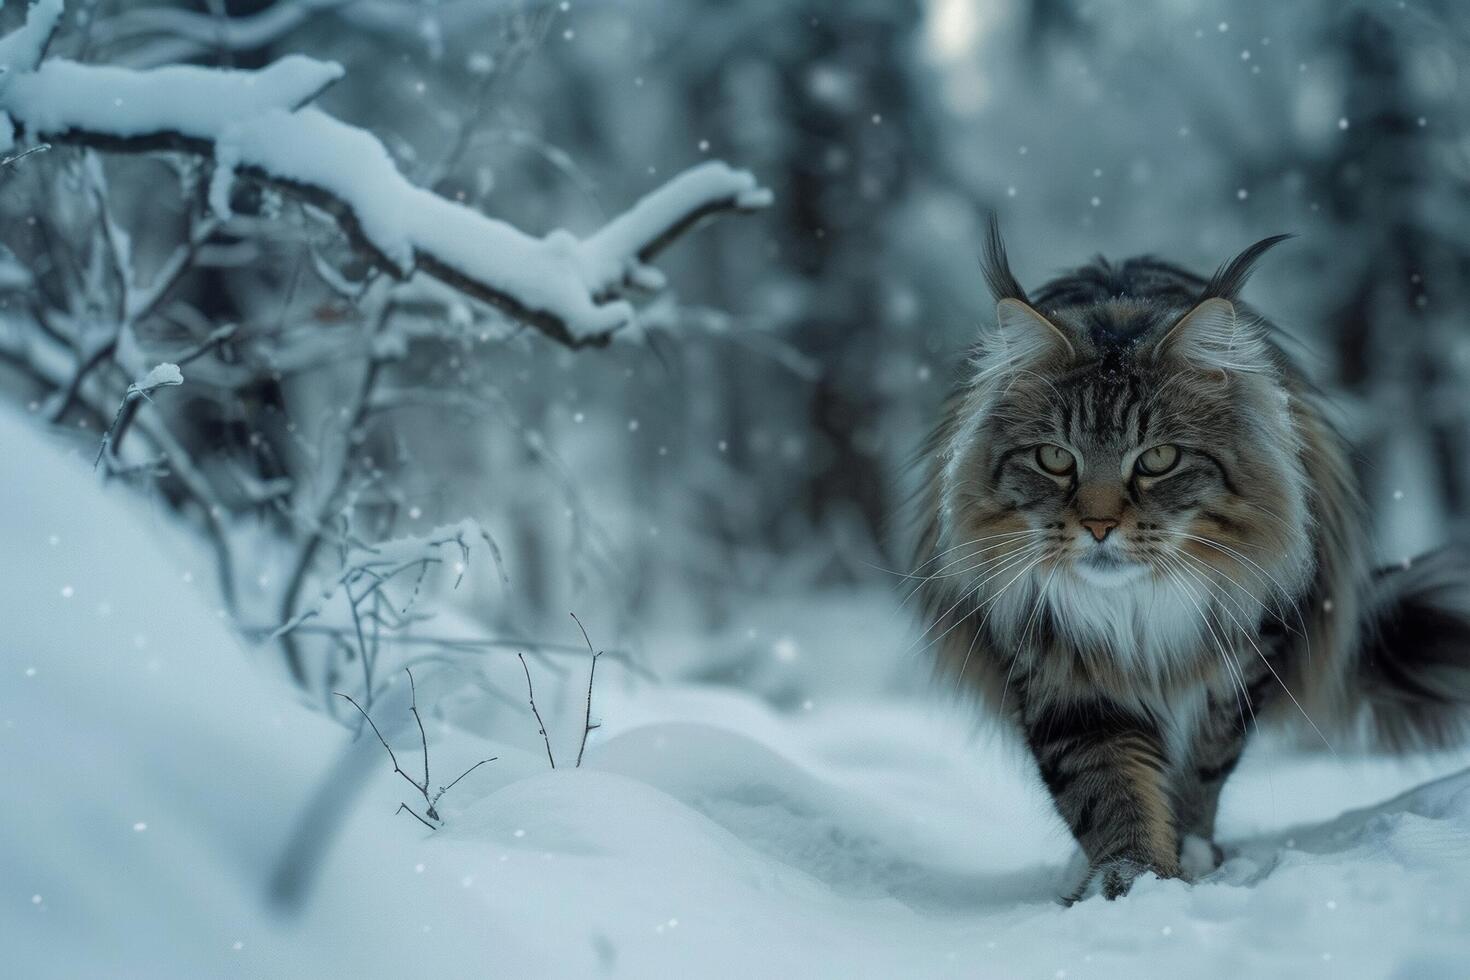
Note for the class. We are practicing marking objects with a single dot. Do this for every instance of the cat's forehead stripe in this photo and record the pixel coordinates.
(1115, 328)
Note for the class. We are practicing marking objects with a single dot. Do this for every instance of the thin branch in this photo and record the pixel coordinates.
(431, 801)
(454, 643)
(154, 468)
(142, 304)
(307, 555)
(16, 158)
(445, 789)
(118, 254)
(405, 806)
(134, 305)
(362, 653)
(393, 758)
(377, 622)
(137, 392)
(413, 706)
(216, 337)
(531, 695)
(64, 398)
(381, 571)
(587, 726)
(144, 301)
(183, 469)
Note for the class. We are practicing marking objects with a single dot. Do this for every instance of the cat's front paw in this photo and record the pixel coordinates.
(1113, 877)
(1198, 856)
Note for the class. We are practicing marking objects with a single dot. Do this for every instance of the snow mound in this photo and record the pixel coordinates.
(152, 779)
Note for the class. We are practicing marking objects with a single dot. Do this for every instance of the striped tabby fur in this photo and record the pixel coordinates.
(1142, 536)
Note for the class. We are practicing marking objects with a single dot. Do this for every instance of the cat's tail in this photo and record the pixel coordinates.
(1413, 667)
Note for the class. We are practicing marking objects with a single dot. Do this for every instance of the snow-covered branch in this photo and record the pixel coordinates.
(257, 124)
(23, 48)
(374, 567)
(163, 375)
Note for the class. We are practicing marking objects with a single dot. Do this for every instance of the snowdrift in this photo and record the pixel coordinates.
(152, 775)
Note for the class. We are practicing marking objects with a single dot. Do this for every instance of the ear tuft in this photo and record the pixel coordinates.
(997, 267)
(1212, 336)
(1027, 335)
(1230, 278)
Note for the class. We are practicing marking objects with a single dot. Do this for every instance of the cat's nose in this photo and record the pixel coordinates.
(1099, 526)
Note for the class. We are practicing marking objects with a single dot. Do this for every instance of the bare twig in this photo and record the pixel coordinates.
(137, 391)
(587, 726)
(309, 549)
(404, 806)
(445, 789)
(216, 337)
(431, 801)
(16, 158)
(413, 706)
(459, 645)
(130, 409)
(531, 695)
(392, 758)
(362, 651)
(376, 571)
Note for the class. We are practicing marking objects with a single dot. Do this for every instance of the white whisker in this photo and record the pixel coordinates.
(1199, 564)
(1009, 562)
(1041, 593)
(991, 603)
(1286, 596)
(966, 544)
(1242, 693)
(1265, 660)
(943, 570)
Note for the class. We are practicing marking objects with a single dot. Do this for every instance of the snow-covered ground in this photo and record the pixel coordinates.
(152, 775)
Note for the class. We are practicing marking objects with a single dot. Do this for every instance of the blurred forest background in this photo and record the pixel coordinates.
(748, 444)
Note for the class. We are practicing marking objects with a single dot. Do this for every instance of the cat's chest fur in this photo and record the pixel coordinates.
(1147, 628)
(1145, 643)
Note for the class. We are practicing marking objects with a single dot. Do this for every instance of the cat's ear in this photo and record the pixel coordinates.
(1213, 336)
(1026, 335)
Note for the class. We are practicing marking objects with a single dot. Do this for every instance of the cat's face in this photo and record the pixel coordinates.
(1127, 444)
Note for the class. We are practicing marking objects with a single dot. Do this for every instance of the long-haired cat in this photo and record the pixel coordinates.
(1142, 536)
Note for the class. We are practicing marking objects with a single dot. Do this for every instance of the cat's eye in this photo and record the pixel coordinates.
(1157, 461)
(1055, 460)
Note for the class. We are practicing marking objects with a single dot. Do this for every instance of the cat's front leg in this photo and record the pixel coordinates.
(1215, 749)
(1107, 771)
